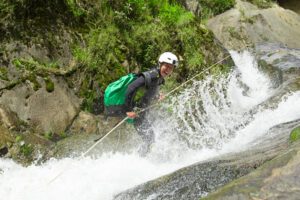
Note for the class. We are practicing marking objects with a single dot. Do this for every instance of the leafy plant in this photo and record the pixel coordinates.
(263, 3)
(63, 134)
(19, 138)
(48, 135)
(26, 149)
(295, 134)
(211, 8)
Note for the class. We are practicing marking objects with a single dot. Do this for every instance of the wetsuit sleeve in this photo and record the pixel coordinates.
(131, 91)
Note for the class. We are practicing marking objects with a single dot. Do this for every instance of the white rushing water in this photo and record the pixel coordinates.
(206, 120)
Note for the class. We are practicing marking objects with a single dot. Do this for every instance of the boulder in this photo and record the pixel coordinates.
(44, 111)
(18, 143)
(8, 121)
(276, 179)
(88, 129)
(245, 24)
(85, 123)
(280, 62)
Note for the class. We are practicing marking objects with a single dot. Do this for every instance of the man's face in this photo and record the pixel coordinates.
(166, 69)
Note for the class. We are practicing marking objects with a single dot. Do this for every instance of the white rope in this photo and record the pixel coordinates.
(143, 110)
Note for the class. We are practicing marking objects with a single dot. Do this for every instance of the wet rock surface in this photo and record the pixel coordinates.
(276, 179)
(87, 129)
(202, 178)
(245, 25)
(18, 143)
(41, 109)
(281, 61)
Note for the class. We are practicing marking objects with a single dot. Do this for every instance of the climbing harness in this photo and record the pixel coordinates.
(143, 110)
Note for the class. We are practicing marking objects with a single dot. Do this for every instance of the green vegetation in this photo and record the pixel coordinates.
(245, 18)
(3, 74)
(49, 135)
(211, 8)
(295, 134)
(63, 134)
(26, 149)
(136, 33)
(49, 85)
(19, 138)
(233, 33)
(107, 39)
(263, 3)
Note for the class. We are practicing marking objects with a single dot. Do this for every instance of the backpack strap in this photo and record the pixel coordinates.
(148, 79)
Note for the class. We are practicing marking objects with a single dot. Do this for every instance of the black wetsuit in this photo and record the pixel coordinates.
(150, 82)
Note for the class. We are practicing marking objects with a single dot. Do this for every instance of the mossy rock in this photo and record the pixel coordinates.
(49, 84)
(295, 134)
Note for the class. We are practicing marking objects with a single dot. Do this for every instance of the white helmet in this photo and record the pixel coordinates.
(168, 57)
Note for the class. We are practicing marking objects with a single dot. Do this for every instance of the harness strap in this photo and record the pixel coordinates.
(148, 79)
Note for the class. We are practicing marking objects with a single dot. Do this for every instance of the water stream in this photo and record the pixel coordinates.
(208, 119)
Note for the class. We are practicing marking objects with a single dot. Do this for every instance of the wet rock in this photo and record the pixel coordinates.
(200, 179)
(8, 121)
(82, 137)
(5, 140)
(42, 110)
(85, 123)
(276, 179)
(245, 25)
(280, 62)
(20, 144)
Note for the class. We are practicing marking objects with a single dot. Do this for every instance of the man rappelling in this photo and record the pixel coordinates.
(139, 91)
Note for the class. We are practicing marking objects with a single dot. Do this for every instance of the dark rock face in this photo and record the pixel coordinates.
(290, 4)
(276, 179)
(188, 183)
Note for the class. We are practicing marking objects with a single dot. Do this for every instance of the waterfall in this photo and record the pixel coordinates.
(208, 118)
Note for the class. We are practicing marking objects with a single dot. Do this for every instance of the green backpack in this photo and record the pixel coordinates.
(115, 92)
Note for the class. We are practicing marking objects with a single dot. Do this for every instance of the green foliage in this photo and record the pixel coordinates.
(295, 134)
(170, 110)
(49, 85)
(112, 38)
(26, 149)
(138, 32)
(174, 14)
(262, 3)
(63, 134)
(48, 135)
(19, 138)
(88, 103)
(3, 74)
(211, 8)
(77, 12)
(244, 18)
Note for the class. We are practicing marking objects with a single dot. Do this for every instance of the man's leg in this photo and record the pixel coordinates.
(143, 127)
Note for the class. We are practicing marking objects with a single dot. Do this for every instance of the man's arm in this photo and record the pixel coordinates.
(131, 91)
